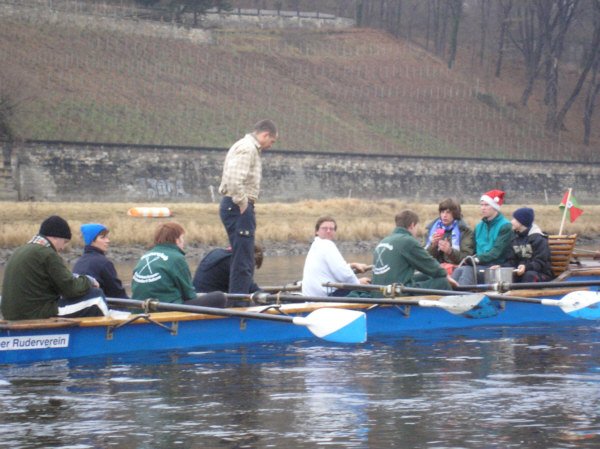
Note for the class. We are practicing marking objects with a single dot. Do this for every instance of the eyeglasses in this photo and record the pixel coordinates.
(326, 229)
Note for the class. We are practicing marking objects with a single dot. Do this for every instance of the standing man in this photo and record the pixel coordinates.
(240, 185)
(400, 254)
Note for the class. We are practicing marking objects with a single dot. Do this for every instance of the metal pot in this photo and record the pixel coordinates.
(495, 275)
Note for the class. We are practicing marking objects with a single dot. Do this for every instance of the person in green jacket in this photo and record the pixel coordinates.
(37, 283)
(493, 235)
(164, 274)
(398, 255)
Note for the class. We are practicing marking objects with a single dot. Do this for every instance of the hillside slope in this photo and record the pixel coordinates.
(355, 90)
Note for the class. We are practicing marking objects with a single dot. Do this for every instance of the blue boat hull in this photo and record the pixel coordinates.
(101, 336)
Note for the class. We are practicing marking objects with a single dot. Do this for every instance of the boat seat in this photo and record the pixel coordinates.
(561, 249)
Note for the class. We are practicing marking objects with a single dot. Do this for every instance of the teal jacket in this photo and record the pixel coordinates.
(164, 274)
(398, 255)
(35, 278)
(492, 240)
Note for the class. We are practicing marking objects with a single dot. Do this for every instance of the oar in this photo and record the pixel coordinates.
(392, 289)
(506, 286)
(579, 304)
(469, 306)
(294, 287)
(337, 325)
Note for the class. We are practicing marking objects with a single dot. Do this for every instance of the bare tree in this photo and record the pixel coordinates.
(456, 11)
(590, 60)
(527, 40)
(555, 18)
(594, 85)
(11, 101)
(484, 12)
(505, 8)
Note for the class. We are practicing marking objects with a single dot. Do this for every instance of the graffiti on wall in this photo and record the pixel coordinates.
(158, 188)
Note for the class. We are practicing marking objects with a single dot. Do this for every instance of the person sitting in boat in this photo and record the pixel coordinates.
(164, 274)
(212, 273)
(450, 239)
(325, 263)
(398, 255)
(492, 241)
(37, 283)
(94, 262)
(529, 249)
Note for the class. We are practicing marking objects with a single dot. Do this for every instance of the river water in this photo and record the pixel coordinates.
(529, 387)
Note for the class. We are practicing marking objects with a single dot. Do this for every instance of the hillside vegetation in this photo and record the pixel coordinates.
(109, 79)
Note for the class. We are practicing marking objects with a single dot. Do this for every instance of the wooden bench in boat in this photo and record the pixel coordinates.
(561, 250)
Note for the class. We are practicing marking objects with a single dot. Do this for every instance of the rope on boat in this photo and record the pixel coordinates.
(148, 305)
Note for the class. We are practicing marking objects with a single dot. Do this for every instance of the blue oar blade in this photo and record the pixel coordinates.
(337, 325)
(579, 304)
(483, 309)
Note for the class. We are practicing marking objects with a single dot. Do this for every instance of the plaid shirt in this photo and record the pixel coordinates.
(242, 171)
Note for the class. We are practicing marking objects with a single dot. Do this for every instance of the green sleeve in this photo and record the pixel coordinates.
(66, 284)
(424, 262)
(499, 251)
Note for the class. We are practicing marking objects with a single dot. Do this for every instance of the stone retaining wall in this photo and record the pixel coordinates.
(46, 171)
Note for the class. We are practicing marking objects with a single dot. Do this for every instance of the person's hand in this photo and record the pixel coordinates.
(364, 280)
(444, 246)
(520, 270)
(358, 267)
(243, 208)
(451, 281)
(435, 238)
(93, 281)
(495, 266)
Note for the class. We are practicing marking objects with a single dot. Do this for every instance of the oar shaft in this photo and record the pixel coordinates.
(505, 286)
(398, 289)
(338, 299)
(167, 306)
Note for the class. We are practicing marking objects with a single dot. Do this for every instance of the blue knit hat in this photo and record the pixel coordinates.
(524, 216)
(91, 231)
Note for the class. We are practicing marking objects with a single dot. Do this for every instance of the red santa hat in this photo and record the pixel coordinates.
(494, 198)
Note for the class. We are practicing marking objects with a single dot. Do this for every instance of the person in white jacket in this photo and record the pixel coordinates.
(325, 263)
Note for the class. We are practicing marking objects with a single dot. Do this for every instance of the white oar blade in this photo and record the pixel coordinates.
(469, 306)
(338, 325)
(580, 304)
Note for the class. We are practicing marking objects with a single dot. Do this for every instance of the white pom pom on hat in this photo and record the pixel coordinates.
(494, 198)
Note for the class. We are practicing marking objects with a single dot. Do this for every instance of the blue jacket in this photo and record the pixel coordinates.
(213, 271)
(94, 263)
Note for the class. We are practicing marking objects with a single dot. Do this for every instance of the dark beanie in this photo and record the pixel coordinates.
(524, 216)
(55, 226)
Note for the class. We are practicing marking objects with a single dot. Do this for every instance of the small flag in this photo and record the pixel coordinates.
(574, 210)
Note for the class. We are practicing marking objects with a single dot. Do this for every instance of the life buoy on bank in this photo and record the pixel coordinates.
(149, 212)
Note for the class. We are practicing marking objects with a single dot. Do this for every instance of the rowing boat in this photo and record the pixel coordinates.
(60, 338)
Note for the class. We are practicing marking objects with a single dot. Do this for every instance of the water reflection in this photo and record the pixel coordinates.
(494, 388)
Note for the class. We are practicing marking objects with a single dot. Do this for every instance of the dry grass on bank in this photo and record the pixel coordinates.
(280, 222)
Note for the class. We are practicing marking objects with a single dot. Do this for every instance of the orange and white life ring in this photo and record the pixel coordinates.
(149, 212)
